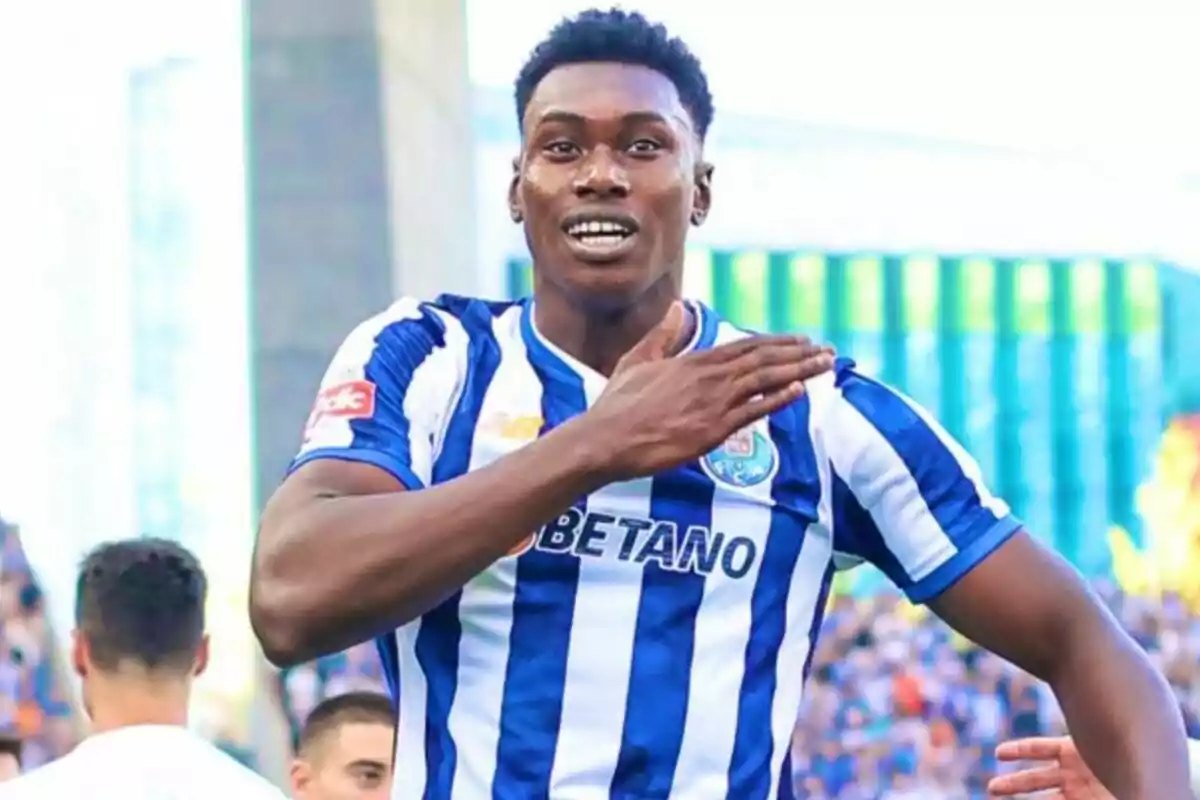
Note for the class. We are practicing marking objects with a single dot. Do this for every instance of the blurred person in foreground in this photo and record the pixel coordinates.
(594, 531)
(10, 758)
(1065, 771)
(138, 645)
(345, 749)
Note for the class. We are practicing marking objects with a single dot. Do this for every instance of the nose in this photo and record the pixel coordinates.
(601, 176)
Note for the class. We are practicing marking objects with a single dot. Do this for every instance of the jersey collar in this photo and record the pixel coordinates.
(559, 364)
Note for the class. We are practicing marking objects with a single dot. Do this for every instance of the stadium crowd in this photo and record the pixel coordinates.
(897, 706)
(33, 708)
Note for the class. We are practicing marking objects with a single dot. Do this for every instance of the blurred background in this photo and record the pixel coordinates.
(994, 210)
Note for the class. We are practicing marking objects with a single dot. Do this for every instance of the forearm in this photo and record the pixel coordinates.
(336, 570)
(1123, 716)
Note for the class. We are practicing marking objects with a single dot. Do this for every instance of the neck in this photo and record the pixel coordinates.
(120, 701)
(597, 335)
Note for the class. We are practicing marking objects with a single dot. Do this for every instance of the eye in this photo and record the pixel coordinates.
(645, 147)
(561, 148)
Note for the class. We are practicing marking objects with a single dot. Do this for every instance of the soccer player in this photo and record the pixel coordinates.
(1067, 774)
(345, 750)
(594, 531)
(139, 643)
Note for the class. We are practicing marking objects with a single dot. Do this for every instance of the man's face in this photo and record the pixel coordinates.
(608, 180)
(351, 763)
(9, 767)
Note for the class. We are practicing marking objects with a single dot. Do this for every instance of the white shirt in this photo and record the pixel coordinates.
(652, 640)
(1194, 759)
(142, 762)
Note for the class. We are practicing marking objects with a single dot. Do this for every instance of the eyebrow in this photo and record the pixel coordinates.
(571, 118)
(367, 762)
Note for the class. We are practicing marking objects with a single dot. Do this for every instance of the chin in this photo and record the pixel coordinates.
(609, 287)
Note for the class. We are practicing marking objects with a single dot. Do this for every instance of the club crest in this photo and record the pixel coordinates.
(746, 459)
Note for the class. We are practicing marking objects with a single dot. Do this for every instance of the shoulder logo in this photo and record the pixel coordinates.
(746, 459)
(347, 400)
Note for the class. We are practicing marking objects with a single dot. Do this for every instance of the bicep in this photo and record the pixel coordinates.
(326, 478)
(1025, 603)
(905, 495)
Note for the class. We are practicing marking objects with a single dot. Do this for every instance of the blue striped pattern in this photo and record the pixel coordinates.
(437, 640)
(796, 493)
(895, 494)
(660, 676)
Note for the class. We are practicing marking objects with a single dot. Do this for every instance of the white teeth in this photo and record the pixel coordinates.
(598, 227)
(602, 239)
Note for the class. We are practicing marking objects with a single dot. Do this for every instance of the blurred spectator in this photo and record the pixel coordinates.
(346, 748)
(10, 758)
(302, 688)
(33, 707)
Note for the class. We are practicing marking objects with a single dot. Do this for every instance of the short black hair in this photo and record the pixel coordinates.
(141, 600)
(345, 709)
(617, 36)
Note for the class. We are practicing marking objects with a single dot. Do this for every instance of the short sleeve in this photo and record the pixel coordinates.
(906, 497)
(383, 397)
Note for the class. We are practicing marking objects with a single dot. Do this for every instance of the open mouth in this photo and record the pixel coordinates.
(601, 233)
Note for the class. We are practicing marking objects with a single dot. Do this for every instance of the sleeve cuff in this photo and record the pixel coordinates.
(393, 466)
(963, 561)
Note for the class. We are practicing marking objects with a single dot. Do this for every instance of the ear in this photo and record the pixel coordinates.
(202, 653)
(702, 192)
(515, 209)
(80, 658)
(300, 776)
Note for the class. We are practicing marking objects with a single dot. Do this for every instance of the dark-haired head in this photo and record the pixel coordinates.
(617, 36)
(613, 113)
(345, 748)
(140, 604)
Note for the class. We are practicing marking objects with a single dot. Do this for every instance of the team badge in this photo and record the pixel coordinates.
(747, 459)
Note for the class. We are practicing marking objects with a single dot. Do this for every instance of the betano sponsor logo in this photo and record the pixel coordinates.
(694, 549)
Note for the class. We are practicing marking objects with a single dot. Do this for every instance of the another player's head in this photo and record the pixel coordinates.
(139, 638)
(613, 113)
(10, 758)
(345, 749)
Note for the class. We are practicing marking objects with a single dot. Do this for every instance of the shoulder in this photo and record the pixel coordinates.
(225, 773)
(57, 779)
(433, 324)
(412, 336)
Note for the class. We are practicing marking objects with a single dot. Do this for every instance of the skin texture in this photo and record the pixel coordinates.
(352, 762)
(607, 138)
(343, 554)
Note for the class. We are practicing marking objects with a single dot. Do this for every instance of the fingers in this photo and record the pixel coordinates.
(1036, 748)
(1027, 780)
(658, 342)
(758, 407)
(764, 371)
(725, 353)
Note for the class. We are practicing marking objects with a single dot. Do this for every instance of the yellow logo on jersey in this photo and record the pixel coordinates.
(520, 428)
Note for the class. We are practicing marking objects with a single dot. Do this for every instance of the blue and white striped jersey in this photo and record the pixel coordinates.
(653, 640)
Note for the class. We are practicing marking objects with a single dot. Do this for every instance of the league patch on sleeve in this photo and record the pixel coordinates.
(346, 401)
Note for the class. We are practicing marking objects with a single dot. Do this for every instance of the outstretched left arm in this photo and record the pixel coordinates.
(1026, 604)
(908, 499)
